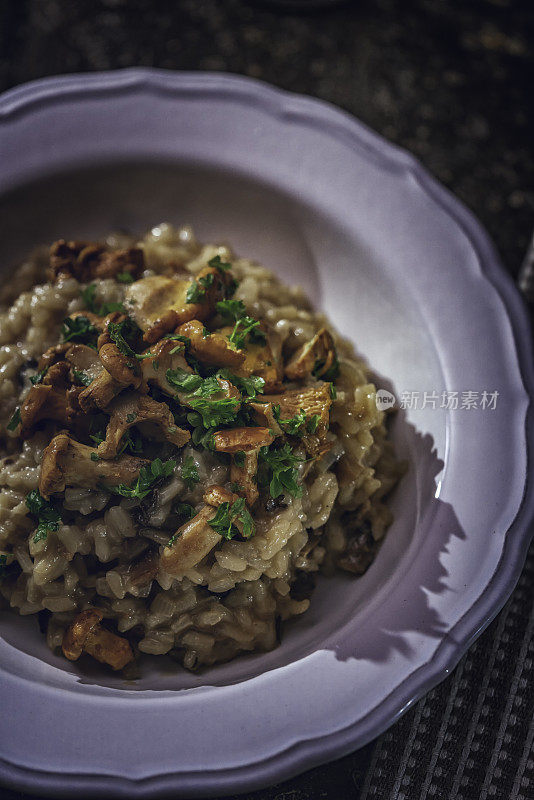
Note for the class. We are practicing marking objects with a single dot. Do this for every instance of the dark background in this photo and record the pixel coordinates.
(452, 81)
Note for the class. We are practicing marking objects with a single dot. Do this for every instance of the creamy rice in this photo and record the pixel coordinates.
(234, 600)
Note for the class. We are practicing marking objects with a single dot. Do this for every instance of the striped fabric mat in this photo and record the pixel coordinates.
(472, 736)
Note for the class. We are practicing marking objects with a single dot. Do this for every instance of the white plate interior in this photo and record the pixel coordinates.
(342, 275)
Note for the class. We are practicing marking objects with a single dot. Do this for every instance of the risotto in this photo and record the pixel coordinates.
(185, 443)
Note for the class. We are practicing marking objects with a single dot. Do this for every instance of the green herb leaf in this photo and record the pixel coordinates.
(95, 457)
(333, 391)
(125, 277)
(215, 412)
(231, 310)
(148, 477)
(295, 426)
(246, 327)
(250, 386)
(216, 262)
(103, 309)
(38, 377)
(81, 377)
(79, 329)
(183, 380)
(313, 423)
(196, 292)
(331, 373)
(189, 472)
(131, 442)
(126, 335)
(277, 470)
(239, 458)
(14, 421)
(223, 520)
(48, 516)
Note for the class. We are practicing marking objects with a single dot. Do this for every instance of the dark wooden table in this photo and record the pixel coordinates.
(453, 83)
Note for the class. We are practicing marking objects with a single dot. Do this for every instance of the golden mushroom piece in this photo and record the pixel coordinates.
(317, 356)
(131, 408)
(67, 462)
(85, 634)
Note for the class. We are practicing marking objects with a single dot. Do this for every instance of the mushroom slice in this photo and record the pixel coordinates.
(264, 416)
(84, 359)
(263, 360)
(191, 543)
(317, 356)
(243, 471)
(53, 355)
(235, 440)
(131, 409)
(160, 303)
(86, 634)
(46, 400)
(313, 400)
(120, 371)
(166, 354)
(67, 462)
(217, 495)
(211, 348)
(88, 260)
(100, 392)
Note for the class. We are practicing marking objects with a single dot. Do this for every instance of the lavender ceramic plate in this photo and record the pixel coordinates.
(409, 275)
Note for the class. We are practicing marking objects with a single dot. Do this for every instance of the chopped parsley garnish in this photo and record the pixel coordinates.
(234, 311)
(207, 410)
(38, 377)
(183, 380)
(14, 421)
(95, 457)
(223, 521)
(125, 277)
(48, 516)
(79, 329)
(203, 438)
(81, 377)
(333, 391)
(98, 428)
(189, 472)
(131, 442)
(331, 373)
(277, 470)
(222, 266)
(148, 477)
(185, 510)
(298, 425)
(102, 309)
(211, 412)
(239, 458)
(196, 293)
(231, 310)
(313, 423)
(294, 426)
(131, 417)
(126, 335)
(246, 327)
(250, 386)
(176, 336)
